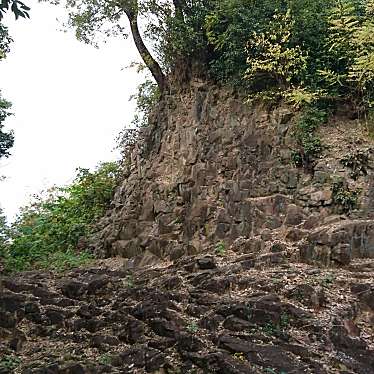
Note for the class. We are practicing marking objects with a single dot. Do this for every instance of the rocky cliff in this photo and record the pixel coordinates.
(222, 240)
(213, 170)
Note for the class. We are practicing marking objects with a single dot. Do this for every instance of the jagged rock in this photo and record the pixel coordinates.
(308, 295)
(164, 328)
(189, 343)
(237, 324)
(7, 320)
(228, 319)
(73, 289)
(55, 316)
(232, 181)
(206, 263)
(365, 293)
(99, 340)
(12, 302)
(132, 332)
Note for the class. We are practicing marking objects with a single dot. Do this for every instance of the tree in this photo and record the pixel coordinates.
(6, 138)
(175, 28)
(18, 8)
(350, 45)
(91, 17)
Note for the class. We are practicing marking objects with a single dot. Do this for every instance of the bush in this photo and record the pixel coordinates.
(271, 57)
(343, 197)
(6, 138)
(309, 144)
(47, 233)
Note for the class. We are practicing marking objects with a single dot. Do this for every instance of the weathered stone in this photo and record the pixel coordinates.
(294, 215)
(164, 328)
(133, 332)
(7, 320)
(237, 324)
(308, 295)
(99, 340)
(73, 289)
(206, 263)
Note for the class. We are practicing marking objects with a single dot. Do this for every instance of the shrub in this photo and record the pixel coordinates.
(343, 197)
(350, 46)
(358, 162)
(309, 143)
(271, 56)
(47, 232)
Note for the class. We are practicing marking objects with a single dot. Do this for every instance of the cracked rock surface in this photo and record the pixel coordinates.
(225, 314)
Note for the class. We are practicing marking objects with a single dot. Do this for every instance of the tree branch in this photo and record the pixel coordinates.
(148, 59)
(130, 8)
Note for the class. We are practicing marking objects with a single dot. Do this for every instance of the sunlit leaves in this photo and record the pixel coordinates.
(272, 54)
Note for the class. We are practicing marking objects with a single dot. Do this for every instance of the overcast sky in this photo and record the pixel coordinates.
(70, 101)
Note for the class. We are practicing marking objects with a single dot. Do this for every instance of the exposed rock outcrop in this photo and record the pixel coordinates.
(213, 169)
(205, 314)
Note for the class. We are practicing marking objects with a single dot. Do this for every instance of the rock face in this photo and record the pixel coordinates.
(202, 314)
(213, 169)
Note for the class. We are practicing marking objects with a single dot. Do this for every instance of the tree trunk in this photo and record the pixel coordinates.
(148, 59)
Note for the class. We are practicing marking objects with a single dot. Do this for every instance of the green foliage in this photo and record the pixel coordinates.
(105, 359)
(301, 97)
(309, 143)
(358, 162)
(350, 45)
(192, 328)
(181, 38)
(294, 30)
(129, 281)
(220, 249)
(5, 41)
(6, 137)
(228, 27)
(146, 97)
(4, 233)
(9, 363)
(271, 56)
(344, 198)
(48, 232)
(17, 7)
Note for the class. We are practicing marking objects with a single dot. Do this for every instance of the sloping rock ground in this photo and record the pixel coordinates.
(224, 312)
(211, 168)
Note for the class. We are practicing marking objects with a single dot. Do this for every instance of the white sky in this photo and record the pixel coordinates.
(70, 101)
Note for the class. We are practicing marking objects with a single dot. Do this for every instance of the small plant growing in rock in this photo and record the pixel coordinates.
(309, 143)
(105, 359)
(270, 329)
(272, 371)
(343, 197)
(328, 280)
(9, 363)
(220, 249)
(129, 281)
(284, 320)
(358, 162)
(239, 356)
(178, 221)
(192, 328)
(297, 158)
